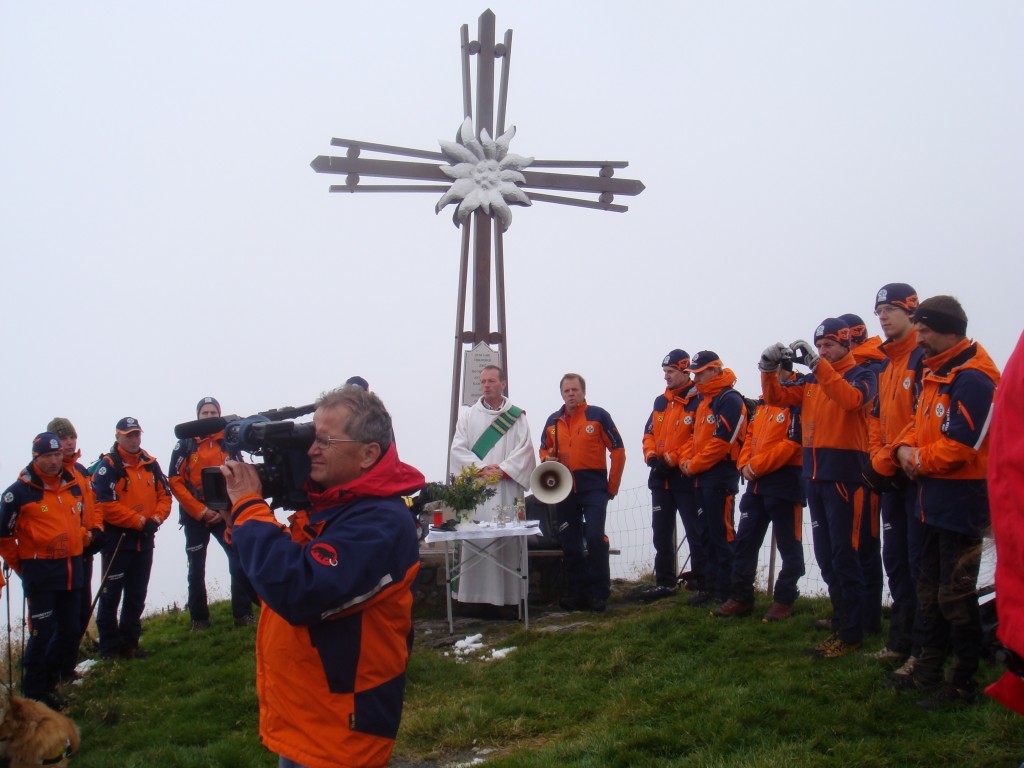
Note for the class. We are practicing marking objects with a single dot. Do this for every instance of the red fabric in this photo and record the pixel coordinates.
(1006, 491)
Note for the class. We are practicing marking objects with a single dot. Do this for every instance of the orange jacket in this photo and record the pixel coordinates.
(950, 435)
(719, 425)
(899, 384)
(834, 401)
(130, 489)
(41, 529)
(90, 517)
(188, 459)
(869, 352)
(580, 441)
(667, 436)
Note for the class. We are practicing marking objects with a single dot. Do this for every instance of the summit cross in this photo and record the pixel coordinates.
(482, 178)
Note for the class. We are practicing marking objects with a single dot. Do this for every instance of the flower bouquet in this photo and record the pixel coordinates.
(464, 492)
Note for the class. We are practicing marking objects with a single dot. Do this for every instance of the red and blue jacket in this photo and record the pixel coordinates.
(773, 453)
(834, 403)
(130, 489)
(950, 435)
(41, 530)
(335, 631)
(580, 442)
(667, 435)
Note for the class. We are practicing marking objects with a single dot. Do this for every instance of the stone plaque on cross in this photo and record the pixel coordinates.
(482, 178)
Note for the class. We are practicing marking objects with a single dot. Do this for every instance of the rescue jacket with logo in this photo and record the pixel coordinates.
(950, 433)
(834, 402)
(580, 441)
(188, 459)
(718, 430)
(335, 630)
(130, 489)
(772, 451)
(41, 530)
(667, 434)
(899, 384)
(90, 517)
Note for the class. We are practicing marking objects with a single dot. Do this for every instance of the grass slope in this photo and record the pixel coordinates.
(658, 685)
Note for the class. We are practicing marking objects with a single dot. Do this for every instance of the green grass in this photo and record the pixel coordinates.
(657, 685)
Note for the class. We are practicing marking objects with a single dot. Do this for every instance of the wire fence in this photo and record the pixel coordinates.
(628, 527)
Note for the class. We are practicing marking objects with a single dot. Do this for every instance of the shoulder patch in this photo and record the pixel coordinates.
(8, 497)
(940, 410)
(324, 554)
(177, 446)
(101, 471)
(590, 429)
(780, 418)
(906, 383)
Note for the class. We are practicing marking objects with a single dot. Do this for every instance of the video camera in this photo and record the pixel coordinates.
(281, 442)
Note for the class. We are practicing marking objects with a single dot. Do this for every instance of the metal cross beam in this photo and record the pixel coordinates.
(480, 175)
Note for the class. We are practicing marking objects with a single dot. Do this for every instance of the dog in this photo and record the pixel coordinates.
(32, 734)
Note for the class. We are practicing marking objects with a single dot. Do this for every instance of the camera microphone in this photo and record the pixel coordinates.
(200, 427)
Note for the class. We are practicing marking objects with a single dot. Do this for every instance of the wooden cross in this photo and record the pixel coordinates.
(487, 179)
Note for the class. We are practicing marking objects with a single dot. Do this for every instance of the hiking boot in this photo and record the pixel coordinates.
(701, 598)
(887, 654)
(246, 621)
(574, 603)
(198, 625)
(732, 608)
(838, 649)
(948, 695)
(907, 669)
(778, 612)
(824, 645)
(651, 594)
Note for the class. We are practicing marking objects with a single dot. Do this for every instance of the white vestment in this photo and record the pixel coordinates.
(485, 582)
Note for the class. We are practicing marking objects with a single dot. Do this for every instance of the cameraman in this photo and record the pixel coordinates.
(336, 625)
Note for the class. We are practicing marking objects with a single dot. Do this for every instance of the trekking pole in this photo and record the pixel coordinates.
(10, 651)
(104, 579)
(24, 602)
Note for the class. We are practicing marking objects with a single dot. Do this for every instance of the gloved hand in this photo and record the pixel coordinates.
(771, 357)
(657, 463)
(96, 539)
(877, 482)
(804, 354)
(150, 527)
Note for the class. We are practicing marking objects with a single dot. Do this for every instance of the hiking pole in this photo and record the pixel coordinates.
(10, 651)
(104, 579)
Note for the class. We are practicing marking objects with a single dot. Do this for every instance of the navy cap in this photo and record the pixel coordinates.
(858, 330)
(899, 295)
(45, 442)
(702, 360)
(127, 425)
(677, 359)
(835, 329)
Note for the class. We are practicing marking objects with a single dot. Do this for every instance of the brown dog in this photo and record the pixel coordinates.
(32, 734)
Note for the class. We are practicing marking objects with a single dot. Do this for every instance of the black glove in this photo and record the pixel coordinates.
(96, 539)
(658, 464)
(150, 527)
(877, 482)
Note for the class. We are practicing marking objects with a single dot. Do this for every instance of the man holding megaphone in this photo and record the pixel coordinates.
(578, 435)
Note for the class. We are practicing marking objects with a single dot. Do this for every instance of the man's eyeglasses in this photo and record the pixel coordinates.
(325, 442)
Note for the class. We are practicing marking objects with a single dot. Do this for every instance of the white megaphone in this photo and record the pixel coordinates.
(551, 482)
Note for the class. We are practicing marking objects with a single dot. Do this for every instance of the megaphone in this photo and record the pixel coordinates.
(551, 482)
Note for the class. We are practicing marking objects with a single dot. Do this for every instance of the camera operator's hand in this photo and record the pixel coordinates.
(241, 480)
(804, 354)
(771, 357)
